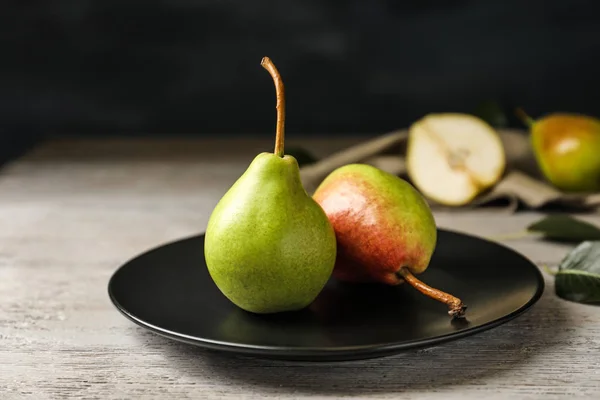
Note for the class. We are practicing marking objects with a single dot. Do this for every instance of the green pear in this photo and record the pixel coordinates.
(269, 246)
(567, 150)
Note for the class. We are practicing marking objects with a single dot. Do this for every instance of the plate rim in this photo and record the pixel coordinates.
(328, 353)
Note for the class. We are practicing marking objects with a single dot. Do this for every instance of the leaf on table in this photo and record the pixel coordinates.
(303, 156)
(565, 228)
(578, 276)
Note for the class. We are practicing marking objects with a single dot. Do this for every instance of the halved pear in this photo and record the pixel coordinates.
(451, 158)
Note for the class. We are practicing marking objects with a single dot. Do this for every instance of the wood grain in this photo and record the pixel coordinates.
(72, 211)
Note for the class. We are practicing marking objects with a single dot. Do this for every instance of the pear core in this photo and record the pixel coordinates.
(452, 158)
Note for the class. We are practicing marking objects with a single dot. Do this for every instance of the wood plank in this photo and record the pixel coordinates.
(66, 223)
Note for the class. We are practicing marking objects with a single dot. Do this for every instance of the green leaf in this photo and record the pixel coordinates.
(491, 112)
(565, 228)
(578, 276)
(301, 155)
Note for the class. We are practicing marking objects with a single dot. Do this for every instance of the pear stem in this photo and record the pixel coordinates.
(455, 305)
(280, 130)
(527, 120)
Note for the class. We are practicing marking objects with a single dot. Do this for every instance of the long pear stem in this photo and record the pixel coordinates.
(527, 120)
(455, 305)
(280, 131)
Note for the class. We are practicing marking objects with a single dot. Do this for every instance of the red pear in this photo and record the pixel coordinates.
(385, 230)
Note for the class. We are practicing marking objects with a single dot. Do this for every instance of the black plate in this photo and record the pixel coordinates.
(169, 291)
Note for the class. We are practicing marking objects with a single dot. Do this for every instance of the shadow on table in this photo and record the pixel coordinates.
(466, 361)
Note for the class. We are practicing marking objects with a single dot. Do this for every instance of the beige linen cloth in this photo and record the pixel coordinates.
(522, 185)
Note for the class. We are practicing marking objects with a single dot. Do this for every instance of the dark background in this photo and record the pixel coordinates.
(123, 67)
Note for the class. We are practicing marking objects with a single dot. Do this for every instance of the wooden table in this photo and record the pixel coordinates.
(72, 211)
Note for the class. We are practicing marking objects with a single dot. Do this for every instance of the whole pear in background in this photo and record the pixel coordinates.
(385, 229)
(567, 150)
(269, 246)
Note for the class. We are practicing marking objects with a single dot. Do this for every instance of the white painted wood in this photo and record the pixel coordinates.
(71, 212)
